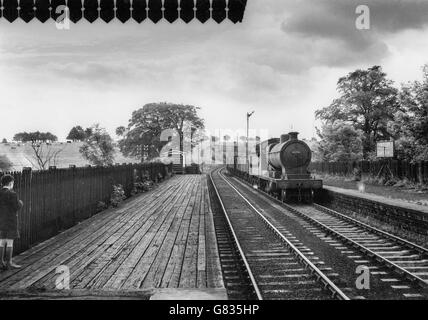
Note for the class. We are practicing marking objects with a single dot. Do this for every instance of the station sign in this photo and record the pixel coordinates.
(385, 149)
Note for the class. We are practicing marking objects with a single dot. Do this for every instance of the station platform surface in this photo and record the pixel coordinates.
(374, 197)
(162, 240)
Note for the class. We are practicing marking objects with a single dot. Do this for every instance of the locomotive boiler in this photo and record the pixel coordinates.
(283, 169)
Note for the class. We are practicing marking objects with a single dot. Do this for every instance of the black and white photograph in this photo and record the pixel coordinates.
(212, 154)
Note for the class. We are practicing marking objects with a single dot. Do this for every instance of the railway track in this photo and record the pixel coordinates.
(276, 267)
(386, 253)
(236, 279)
(405, 258)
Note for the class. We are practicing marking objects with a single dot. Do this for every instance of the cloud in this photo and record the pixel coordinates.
(330, 26)
(398, 15)
(284, 59)
(336, 18)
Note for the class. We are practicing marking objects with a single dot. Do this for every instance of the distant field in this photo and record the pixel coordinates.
(70, 154)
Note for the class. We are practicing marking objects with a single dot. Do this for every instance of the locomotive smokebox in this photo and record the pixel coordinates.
(290, 158)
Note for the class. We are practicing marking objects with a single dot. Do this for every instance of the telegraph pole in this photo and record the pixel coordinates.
(249, 114)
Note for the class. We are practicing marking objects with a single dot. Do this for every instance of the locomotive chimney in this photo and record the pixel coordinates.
(283, 138)
(293, 135)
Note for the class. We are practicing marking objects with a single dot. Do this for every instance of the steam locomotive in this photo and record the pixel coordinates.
(283, 169)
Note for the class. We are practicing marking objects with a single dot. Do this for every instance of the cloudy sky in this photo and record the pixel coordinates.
(283, 62)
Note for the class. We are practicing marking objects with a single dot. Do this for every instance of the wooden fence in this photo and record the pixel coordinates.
(415, 172)
(57, 199)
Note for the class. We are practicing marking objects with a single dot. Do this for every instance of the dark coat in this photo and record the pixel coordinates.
(9, 207)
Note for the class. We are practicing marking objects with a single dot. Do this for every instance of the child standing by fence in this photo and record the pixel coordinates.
(9, 207)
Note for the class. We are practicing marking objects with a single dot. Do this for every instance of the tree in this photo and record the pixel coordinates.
(410, 127)
(44, 154)
(368, 101)
(5, 163)
(4, 140)
(120, 131)
(35, 137)
(77, 134)
(147, 123)
(98, 147)
(88, 132)
(340, 142)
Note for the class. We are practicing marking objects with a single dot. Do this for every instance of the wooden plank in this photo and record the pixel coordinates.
(60, 257)
(188, 274)
(214, 271)
(98, 267)
(117, 252)
(172, 273)
(122, 274)
(85, 267)
(159, 266)
(214, 294)
(76, 295)
(29, 269)
(152, 249)
(114, 267)
(202, 250)
(202, 259)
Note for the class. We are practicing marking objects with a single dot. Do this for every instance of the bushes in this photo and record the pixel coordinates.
(117, 196)
(5, 163)
(143, 183)
(101, 206)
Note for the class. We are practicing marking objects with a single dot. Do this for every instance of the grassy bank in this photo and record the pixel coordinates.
(21, 154)
(402, 190)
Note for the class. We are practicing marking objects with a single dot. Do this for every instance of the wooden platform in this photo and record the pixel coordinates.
(161, 239)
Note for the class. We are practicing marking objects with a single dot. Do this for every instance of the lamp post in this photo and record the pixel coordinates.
(249, 114)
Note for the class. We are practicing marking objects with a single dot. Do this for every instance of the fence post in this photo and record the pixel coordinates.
(73, 195)
(26, 190)
(426, 171)
(420, 172)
